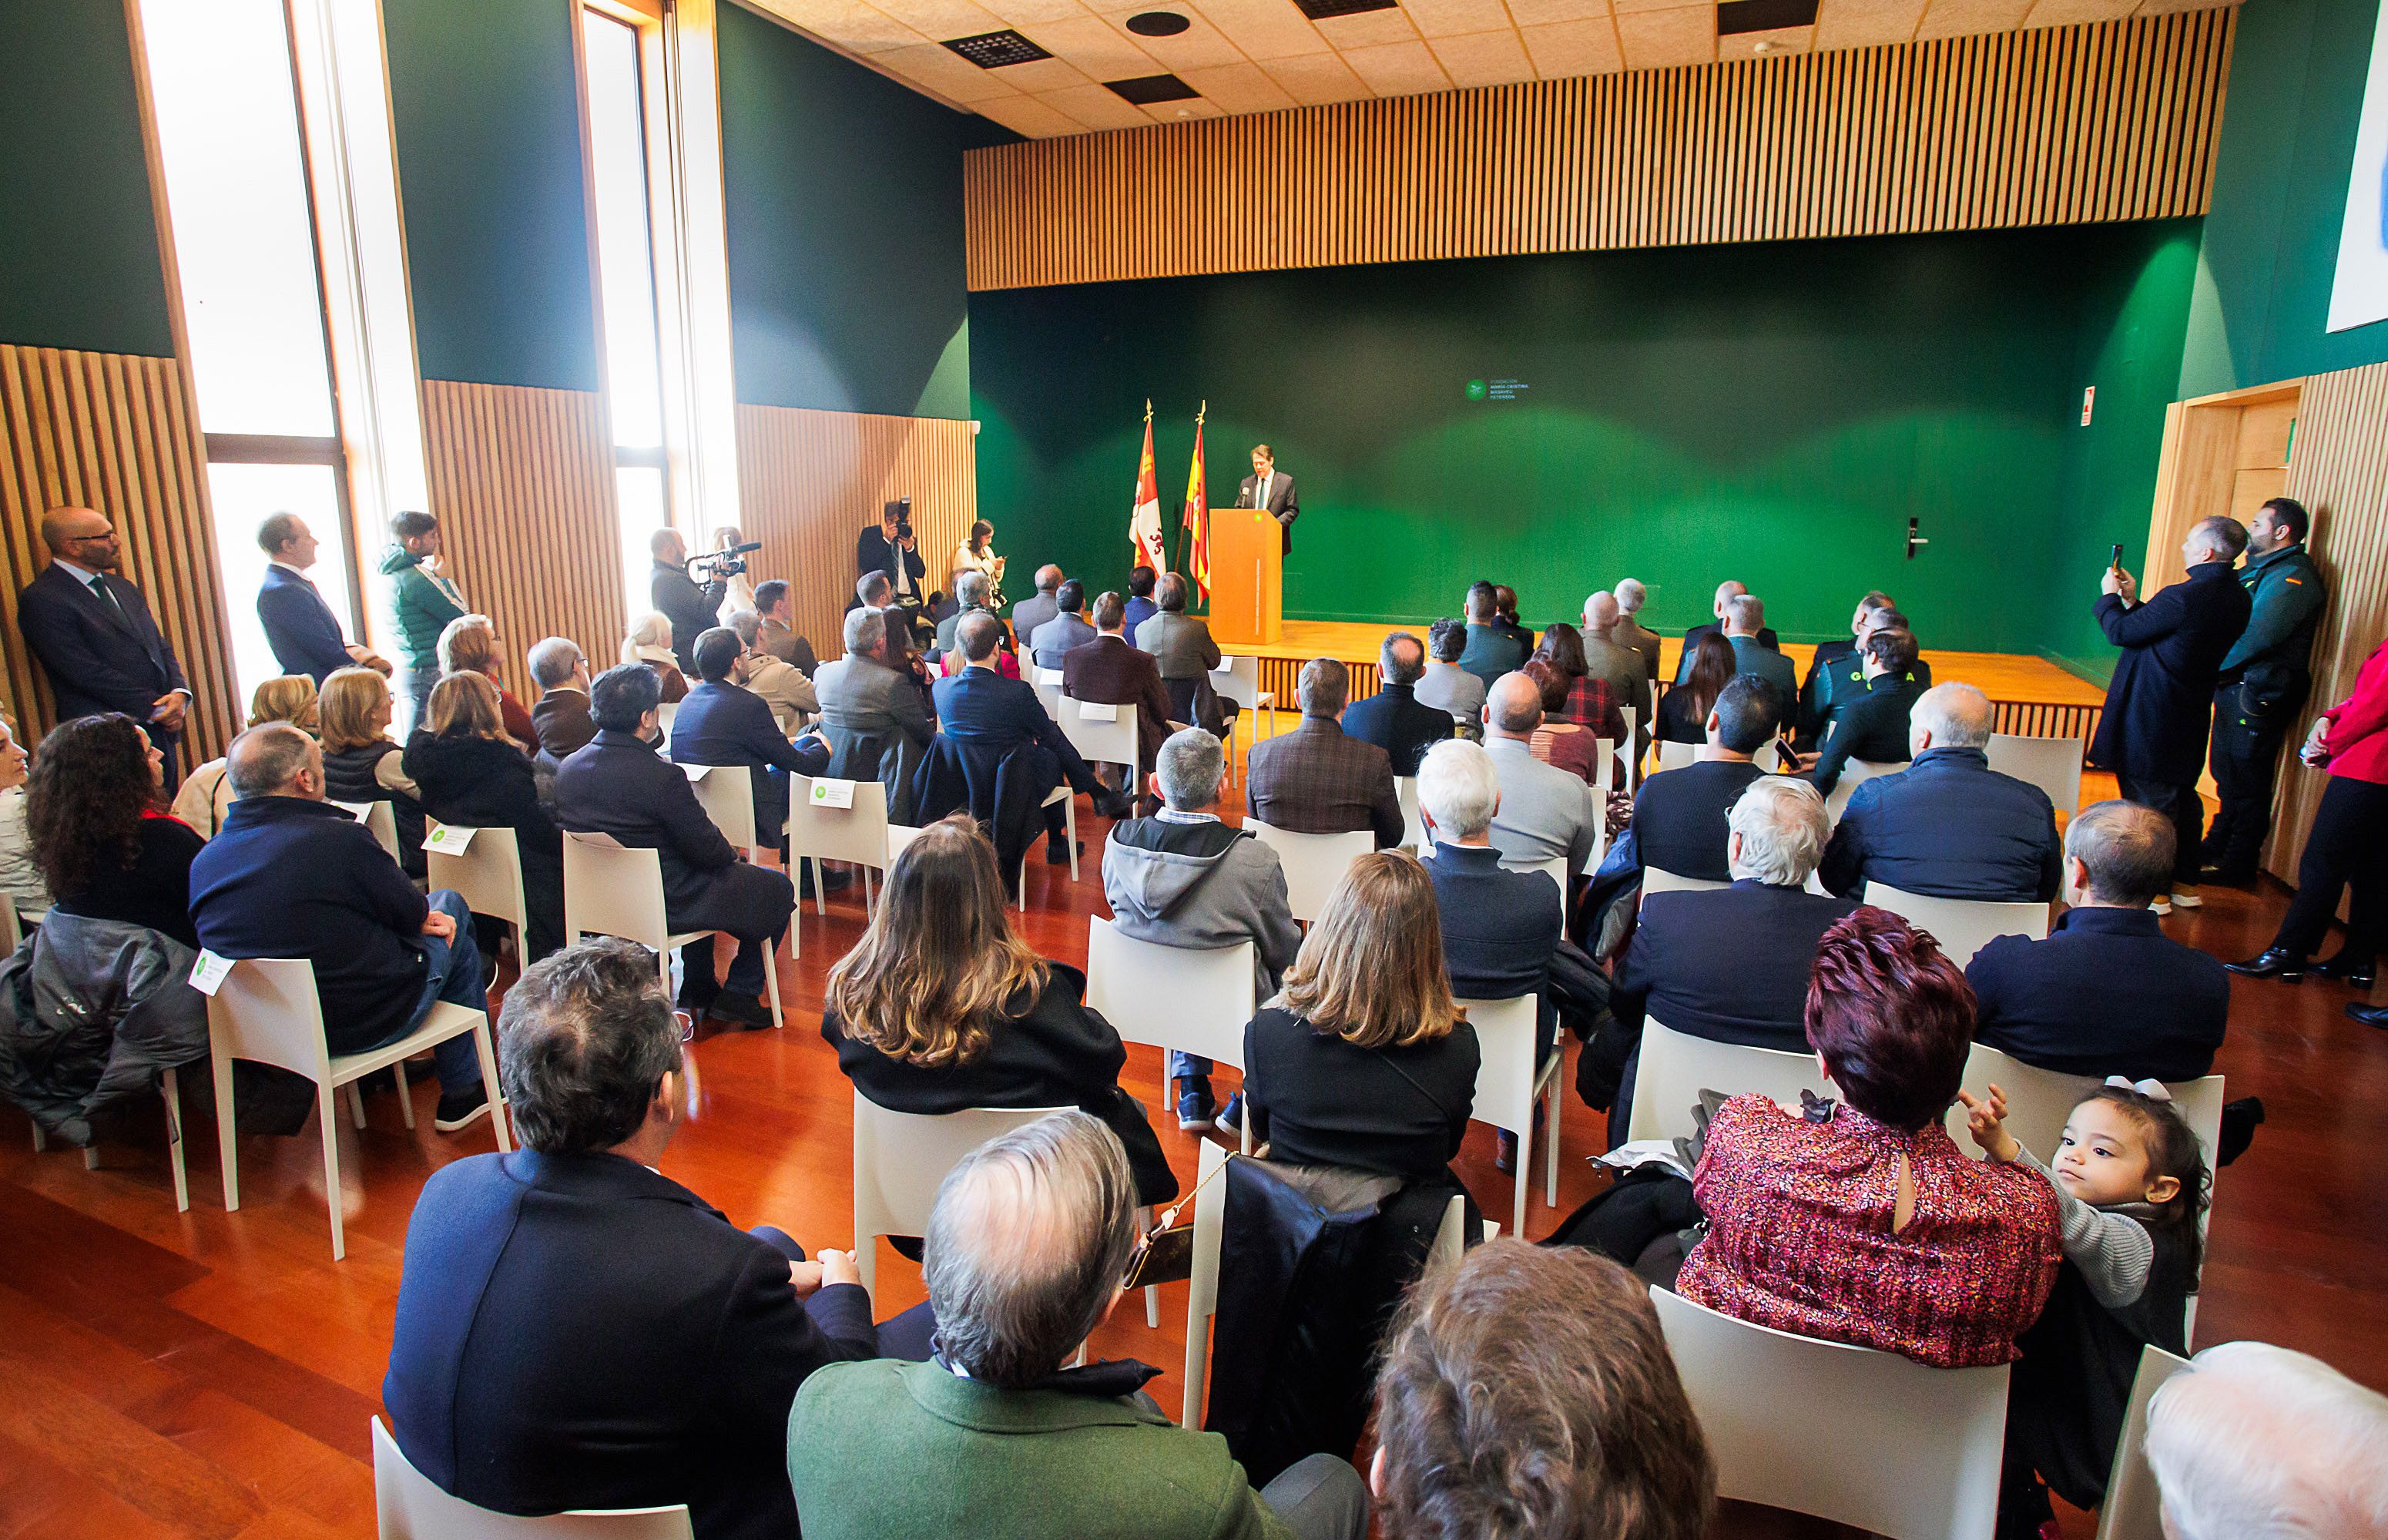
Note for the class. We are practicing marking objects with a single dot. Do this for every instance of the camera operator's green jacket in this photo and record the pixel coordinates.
(422, 606)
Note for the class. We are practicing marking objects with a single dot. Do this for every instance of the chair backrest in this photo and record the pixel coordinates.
(1855, 773)
(1238, 680)
(1900, 1449)
(898, 836)
(1963, 927)
(664, 715)
(1102, 743)
(1194, 1002)
(1555, 869)
(2039, 1101)
(1314, 863)
(857, 833)
(612, 889)
(486, 874)
(1505, 1067)
(1202, 1288)
(1414, 836)
(2134, 1508)
(1769, 758)
(1675, 756)
(1658, 878)
(266, 1011)
(377, 816)
(727, 795)
(1049, 690)
(1675, 1068)
(2052, 764)
(900, 1158)
(411, 1507)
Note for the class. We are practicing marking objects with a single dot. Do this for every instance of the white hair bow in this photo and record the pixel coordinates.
(2153, 1089)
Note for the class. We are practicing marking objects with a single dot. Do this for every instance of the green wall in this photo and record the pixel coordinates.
(844, 203)
(1773, 412)
(79, 262)
(488, 116)
(2280, 197)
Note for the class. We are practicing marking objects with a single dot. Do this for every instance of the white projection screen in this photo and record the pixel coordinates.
(2358, 295)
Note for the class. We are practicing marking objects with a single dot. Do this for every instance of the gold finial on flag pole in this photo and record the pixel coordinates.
(1147, 409)
(1202, 412)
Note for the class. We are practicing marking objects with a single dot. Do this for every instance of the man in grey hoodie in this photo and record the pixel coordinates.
(1181, 878)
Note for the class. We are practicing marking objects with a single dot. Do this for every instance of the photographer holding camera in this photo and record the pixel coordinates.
(889, 547)
(674, 589)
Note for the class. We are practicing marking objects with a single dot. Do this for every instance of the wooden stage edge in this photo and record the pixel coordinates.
(2033, 695)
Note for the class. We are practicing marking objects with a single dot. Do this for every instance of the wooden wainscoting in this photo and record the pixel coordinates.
(809, 481)
(117, 432)
(2056, 125)
(522, 480)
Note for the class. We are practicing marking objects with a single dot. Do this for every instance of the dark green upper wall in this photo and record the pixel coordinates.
(79, 262)
(488, 116)
(1773, 412)
(844, 194)
(2280, 197)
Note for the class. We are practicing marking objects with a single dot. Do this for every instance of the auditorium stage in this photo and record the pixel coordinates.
(2033, 695)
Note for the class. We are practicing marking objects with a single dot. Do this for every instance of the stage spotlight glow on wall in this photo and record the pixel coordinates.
(2358, 295)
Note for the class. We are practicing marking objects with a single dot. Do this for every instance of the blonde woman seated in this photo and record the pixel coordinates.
(469, 645)
(1362, 1061)
(208, 794)
(943, 1007)
(471, 773)
(650, 642)
(362, 763)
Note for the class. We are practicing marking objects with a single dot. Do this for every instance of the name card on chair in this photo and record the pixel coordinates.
(832, 794)
(1225, 666)
(450, 839)
(358, 810)
(209, 973)
(694, 772)
(1095, 712)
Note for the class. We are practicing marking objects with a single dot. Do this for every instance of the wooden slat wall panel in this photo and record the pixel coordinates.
(809, 481)
(522, 480)
(2339, 470)
(2055, 125)
(115, 432)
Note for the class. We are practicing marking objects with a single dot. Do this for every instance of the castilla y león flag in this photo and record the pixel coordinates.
(1198, 516)
(1144, 519)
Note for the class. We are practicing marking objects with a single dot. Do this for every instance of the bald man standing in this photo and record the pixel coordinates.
(95, 634)
(1727, 591)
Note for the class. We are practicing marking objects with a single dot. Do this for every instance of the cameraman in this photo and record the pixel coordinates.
(889, 547)
(677, 597)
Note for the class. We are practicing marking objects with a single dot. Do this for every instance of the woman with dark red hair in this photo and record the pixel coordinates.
(1859, 1220)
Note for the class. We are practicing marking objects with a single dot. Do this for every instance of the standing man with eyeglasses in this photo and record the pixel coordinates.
(96, 637)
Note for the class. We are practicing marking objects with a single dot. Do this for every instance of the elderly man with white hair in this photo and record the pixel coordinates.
(1729, 965)
(1028, 1251)
(1948, 826)
(874, 715)
(1631, 632)
(2254, 1442)
(1727, 591)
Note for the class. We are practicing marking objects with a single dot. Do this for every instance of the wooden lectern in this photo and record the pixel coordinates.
(1247, 578)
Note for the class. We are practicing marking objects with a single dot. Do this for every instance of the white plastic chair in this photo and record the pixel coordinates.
(1675, 756)
(1963, 927)
(900, 1158)
(410, 1507)
(266, 1010)
(1099, 739)
(727, 795)
(1854, 773)
(487, 874)
(1239, 680)
(2039, 1101)
(858, 835)
(664, 715)
(1314, 863)
(1414, 835)
(1860, 1437)
(1175, 998)
(614, 889)
(170, 1089)
(1068, 802)
(1674, 1067)
(377, 816)
(1049, 690)
(1508, 1083)
(1658, 878)
(2134, 1508)
(1202, 1288)
(2052, 764)
(1632, 716)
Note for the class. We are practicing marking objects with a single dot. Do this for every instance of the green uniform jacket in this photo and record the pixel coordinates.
(893, 1451)
(2272, 654)
(424, 605)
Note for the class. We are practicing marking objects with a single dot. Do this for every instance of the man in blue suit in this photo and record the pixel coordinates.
(96, 637)
(301, 628)
(721, 723)
(576, 1329)
(617, 786)
(1393, 719)
(979, 708)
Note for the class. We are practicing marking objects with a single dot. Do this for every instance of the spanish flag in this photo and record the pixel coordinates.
(1198, 516)
(1144, 517)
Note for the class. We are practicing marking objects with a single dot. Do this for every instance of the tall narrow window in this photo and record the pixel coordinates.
(625, 279)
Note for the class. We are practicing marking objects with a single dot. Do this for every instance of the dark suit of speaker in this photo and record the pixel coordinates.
(101, 656)
(301, 628)
(1282, 504)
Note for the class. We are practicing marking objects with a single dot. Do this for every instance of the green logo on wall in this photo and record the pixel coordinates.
(1476, 390)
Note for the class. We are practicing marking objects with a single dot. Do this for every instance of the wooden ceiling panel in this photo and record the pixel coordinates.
(1485, 59)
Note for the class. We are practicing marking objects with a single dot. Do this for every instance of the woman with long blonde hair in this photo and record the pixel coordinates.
(208, 794)
(942, 1006)
(469, 771)
(1362, 1061)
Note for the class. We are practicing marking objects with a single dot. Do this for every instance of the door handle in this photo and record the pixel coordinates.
(1913, 540)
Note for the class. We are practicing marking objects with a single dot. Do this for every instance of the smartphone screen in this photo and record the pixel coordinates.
(2116, 559)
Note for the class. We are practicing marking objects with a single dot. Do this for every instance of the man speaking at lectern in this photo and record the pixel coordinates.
(1270, 488)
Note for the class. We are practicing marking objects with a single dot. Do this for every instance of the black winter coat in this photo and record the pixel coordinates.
(489, 784)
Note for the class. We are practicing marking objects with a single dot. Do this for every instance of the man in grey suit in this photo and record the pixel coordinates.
(1039, 607)
(873, 712)
(1546, 813)
(1272, 489)
(1068, 627)
(1744, 618)
(1181, 644)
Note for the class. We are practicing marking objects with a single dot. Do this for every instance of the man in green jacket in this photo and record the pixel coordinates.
(1026, 1252)
(422, 602)
(2263, 681)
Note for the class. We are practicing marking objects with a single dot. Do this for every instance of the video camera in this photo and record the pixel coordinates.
(720, 564)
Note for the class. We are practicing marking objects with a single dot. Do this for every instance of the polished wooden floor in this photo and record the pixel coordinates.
(211, 1374)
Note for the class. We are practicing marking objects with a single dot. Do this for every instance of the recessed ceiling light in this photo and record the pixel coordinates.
(1157, 23)
(994, 50)
(1145, 90)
